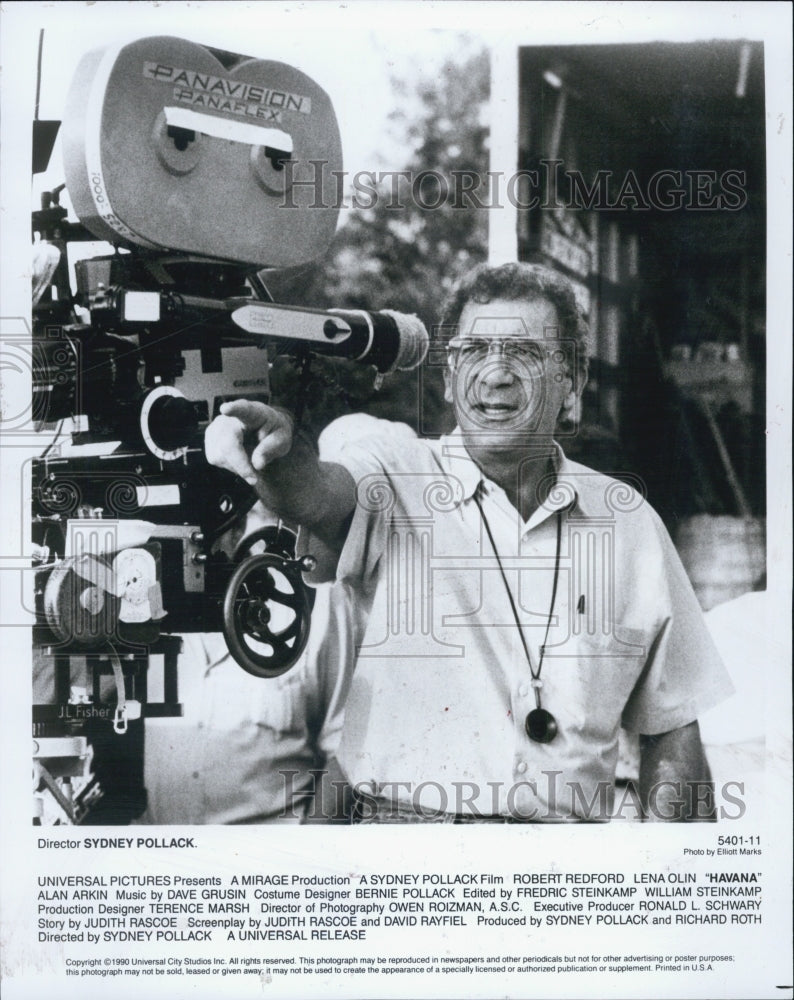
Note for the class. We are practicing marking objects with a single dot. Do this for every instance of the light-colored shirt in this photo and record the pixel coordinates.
(435, 718)
(245, 747)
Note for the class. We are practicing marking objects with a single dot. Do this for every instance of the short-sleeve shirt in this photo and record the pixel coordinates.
(435, 717)
(245, 748)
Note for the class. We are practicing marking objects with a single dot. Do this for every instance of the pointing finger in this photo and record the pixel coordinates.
(252, 415)
(224, 446)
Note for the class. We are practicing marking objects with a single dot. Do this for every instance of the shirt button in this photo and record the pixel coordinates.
(199, 725)
(195, 774)
(523, 691)
(521, 767)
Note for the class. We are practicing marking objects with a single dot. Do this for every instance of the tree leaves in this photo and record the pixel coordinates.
(407, 250)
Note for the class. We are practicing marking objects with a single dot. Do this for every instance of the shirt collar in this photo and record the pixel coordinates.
(457, 462)
(576, 487)
(572, 489)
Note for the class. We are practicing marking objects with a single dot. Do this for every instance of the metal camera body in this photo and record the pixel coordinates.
(188, 161)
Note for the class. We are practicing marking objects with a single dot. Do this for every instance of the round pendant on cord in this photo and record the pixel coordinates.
(541, 726)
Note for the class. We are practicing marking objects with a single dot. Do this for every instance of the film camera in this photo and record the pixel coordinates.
(200, 168)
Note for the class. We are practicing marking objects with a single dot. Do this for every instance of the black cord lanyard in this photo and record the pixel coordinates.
(540, 725)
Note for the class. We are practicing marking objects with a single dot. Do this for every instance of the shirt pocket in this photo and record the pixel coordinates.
(593, 674)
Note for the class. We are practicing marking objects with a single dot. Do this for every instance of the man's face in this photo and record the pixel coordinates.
(510, 375)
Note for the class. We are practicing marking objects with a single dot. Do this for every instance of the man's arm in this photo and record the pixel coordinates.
(675, 780)
(258, 443)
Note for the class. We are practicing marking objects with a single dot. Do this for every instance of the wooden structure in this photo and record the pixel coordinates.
(639, 172)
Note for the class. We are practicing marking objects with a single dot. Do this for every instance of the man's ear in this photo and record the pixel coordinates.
(570, 411)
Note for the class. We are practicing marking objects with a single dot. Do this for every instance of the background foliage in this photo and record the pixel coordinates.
(397, 254)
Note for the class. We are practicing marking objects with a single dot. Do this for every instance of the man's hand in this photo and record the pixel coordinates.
(247, 437)
(259, 444)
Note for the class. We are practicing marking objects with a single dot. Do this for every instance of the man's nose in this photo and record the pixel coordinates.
(497, 371)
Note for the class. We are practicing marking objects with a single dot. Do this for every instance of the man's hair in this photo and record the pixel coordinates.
(523, 283)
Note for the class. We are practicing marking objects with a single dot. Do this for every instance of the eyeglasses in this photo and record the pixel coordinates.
(474, 349)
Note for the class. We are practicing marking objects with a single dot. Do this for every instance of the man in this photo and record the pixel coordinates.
(248, 749)
(515, 608)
